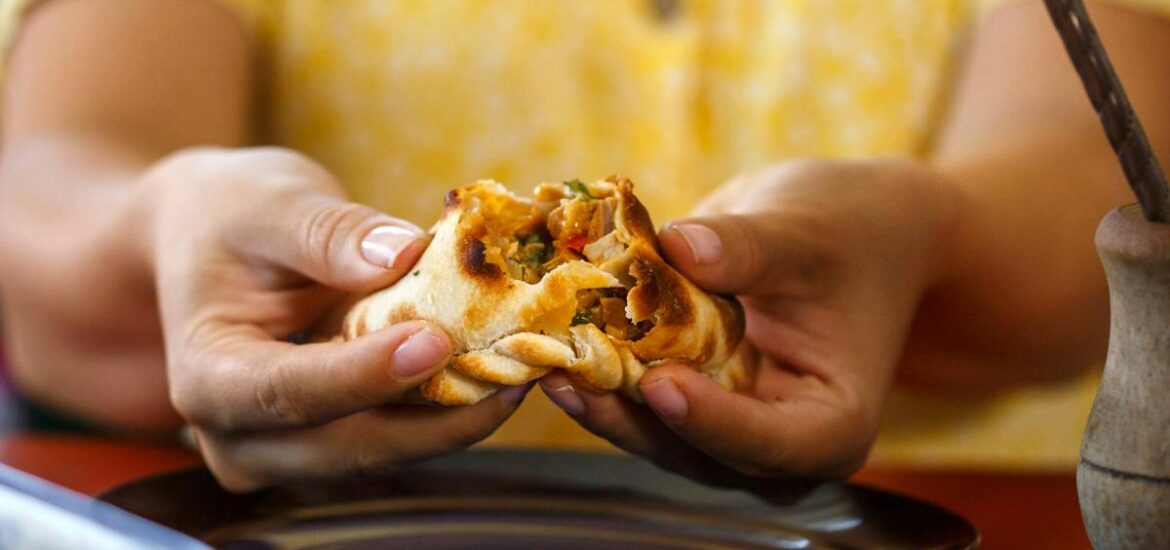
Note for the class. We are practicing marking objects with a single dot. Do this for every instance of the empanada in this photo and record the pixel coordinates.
(571, 279)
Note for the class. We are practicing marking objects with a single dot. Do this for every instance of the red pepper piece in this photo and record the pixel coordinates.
(577, 243)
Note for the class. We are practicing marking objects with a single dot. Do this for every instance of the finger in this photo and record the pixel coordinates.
(630, 427)
(366, 443)
(337, 243)
(746, 254)
(283, 313)
(245, 381)
(609, 416)
(815, 437)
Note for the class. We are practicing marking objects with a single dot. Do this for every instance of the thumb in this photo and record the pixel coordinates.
(741, 254)
(337, 243)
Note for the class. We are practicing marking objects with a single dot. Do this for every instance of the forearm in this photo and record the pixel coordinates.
(1022, 296)
(66, 200)
(78, 298)
(99, 89)
(88, 108)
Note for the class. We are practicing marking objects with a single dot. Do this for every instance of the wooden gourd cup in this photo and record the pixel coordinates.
(1124, 476)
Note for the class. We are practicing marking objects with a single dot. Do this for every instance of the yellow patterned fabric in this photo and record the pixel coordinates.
(10, 15)
(404, 99)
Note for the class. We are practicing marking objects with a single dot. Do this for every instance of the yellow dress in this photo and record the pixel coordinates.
(404, 99)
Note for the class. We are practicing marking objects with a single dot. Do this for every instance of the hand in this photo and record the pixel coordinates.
(251, 247)
(829, 260)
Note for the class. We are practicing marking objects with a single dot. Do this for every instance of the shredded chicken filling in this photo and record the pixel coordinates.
(561, 227)
(606, 308)
(555, 230)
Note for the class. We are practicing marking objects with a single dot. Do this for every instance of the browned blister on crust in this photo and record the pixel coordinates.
(572, 279)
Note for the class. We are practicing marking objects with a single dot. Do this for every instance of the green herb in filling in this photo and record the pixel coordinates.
(580, 318)
(528, 258)
(579, 189)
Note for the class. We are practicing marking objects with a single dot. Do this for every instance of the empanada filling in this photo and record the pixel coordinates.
(563, 223)
(606, 308)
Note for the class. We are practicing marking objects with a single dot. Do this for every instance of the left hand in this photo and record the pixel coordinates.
(830, 260)
(252, 245)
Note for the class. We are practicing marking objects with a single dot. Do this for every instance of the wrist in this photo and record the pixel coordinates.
(950, 208)
(937, 208)
(158, 187)
(145, 208)
(88, 183)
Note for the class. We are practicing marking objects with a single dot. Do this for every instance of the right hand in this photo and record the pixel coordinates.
(830, 260)
(253, 246)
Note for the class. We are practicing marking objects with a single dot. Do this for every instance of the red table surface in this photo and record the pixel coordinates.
(1011, 510)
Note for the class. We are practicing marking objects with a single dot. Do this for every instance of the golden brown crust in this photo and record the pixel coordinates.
(492, 367)
(450, 387)
(678, 334)
(635, 216)
(732, 319)
(508, 331)
(473, 261)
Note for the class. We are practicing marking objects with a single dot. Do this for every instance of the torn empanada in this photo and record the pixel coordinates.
(571, 279)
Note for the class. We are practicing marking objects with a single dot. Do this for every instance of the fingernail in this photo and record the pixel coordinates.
(666, 399)
(567, 399)
(513, 395)
(419, 353)
(383, 244)
(706, 248)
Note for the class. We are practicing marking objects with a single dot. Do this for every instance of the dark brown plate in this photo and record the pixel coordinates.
(537, 499)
